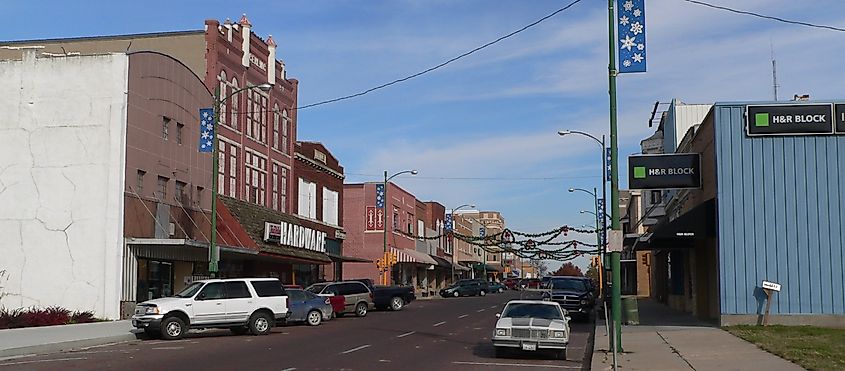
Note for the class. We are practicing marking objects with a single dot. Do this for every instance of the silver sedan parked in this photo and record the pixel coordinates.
(530, 326)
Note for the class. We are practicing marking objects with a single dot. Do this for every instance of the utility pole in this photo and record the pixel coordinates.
(213, 254)
(615, 256)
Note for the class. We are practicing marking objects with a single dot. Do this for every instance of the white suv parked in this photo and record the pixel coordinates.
(242, 305)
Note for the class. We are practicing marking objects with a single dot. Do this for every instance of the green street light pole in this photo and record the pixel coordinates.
(213, 252)
(615, 226)
(384, 279)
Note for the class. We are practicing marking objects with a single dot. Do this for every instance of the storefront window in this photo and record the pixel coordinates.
(155, 279)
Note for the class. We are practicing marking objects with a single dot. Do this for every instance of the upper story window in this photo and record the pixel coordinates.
(181, 196)
(307, 199)
(255, 178)
(179, 128)
(140, 182)
(285, 130)
(236, 106)
(165, 127)
(256, 117)
(161, 190)
(330, 206)
(276, 123)
(224, 91)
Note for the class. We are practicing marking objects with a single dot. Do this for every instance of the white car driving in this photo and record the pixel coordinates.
(532, 325)
(241, 305)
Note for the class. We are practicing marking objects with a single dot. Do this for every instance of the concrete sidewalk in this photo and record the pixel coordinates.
(670, 340)
(49, 339)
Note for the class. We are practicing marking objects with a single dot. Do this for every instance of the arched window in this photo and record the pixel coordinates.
(276, 126)
(236, 105)
(223, 83)
(285, 130)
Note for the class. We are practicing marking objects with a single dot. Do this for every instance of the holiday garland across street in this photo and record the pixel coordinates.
(528, 248)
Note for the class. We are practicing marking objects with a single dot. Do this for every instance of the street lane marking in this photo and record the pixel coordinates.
(480, 310)
(406, 334)
(43, 361)
(355, 349)
(493, 307)
(168, 348)
(289, 369)
(464, 316)
(439, 323)
(511, 364)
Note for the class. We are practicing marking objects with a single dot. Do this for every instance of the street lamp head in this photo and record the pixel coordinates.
(564, 132)
(571, 190)
(583, 211)
(414, 172)
(265, 87)
(472, 206)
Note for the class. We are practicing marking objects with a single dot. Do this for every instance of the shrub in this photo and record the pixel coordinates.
(83, 317)
(34, 317)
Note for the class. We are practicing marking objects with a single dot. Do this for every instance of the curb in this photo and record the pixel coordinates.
(63, 346)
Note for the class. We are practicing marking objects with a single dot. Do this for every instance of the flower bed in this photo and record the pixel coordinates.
(34, 317)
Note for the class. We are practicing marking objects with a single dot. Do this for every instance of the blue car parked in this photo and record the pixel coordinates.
(307, 307)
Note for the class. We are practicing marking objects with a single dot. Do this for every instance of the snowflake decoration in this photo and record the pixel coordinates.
(637, 12)
(627, 42)
(209, 126)
(637, 58)
(626, 63)
(209, 142)
(628, 5)
(640, 46)
(205, 135)
(624, 20)
(205, 114)
(636, 28)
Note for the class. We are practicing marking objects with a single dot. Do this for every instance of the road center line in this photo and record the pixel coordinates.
(289, 369)
(493, 307)
(511, 364)
(355, 349)
(406, 334)
(168, 348)
(43, 361)
(439, 323)
(464, 316)
(480, 310)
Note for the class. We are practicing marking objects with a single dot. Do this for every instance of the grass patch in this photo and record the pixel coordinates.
(813, 348)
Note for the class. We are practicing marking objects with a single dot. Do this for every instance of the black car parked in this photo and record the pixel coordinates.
(467, 287)
(575, 294)
(390, 297)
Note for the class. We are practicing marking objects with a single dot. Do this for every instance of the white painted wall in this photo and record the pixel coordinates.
(62, 154)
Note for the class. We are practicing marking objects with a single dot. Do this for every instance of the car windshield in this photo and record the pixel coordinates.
(316, 288)
(190, 291)
(569, 284)
(527, 310)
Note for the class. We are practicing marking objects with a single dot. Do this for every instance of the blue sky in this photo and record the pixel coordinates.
(495, 113)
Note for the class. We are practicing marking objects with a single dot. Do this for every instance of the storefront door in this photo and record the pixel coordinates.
(155, 279)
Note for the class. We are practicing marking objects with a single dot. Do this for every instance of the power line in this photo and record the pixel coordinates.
(484, 178)
(766, 16)
(406, 78)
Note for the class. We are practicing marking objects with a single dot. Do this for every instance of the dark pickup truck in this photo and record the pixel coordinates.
(390, 297)
(575, 294)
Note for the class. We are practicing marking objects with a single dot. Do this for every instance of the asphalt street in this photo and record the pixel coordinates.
(441, 334)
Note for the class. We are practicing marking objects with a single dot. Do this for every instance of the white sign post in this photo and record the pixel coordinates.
(614, 241)
(769, 288)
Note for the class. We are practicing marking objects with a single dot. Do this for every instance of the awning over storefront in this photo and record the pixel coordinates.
(683, 231)
(245, 222)
(412, 256)
(348, 259)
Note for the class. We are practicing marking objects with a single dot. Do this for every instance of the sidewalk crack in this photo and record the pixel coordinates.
(675, 351)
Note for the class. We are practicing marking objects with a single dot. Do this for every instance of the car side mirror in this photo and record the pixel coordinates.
(568, 318)
(498, 315)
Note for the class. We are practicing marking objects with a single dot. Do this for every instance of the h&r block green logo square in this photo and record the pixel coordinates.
(761, 119)
(639, 172)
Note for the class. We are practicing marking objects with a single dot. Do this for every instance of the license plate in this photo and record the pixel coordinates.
(529, 346)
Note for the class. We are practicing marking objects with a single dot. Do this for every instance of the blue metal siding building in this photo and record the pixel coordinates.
(780, 218)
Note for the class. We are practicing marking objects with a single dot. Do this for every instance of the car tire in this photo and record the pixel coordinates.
(397, 303)
(239, 330)
(560, 354)
(482, 293)
(361, 310)
(314, 318)
(260, 323)
(456, 294)
(172, 328)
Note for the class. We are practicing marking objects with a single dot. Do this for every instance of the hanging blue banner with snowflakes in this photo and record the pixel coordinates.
(206, 130)
(379, 196)
(448, 222)
(630, 33)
